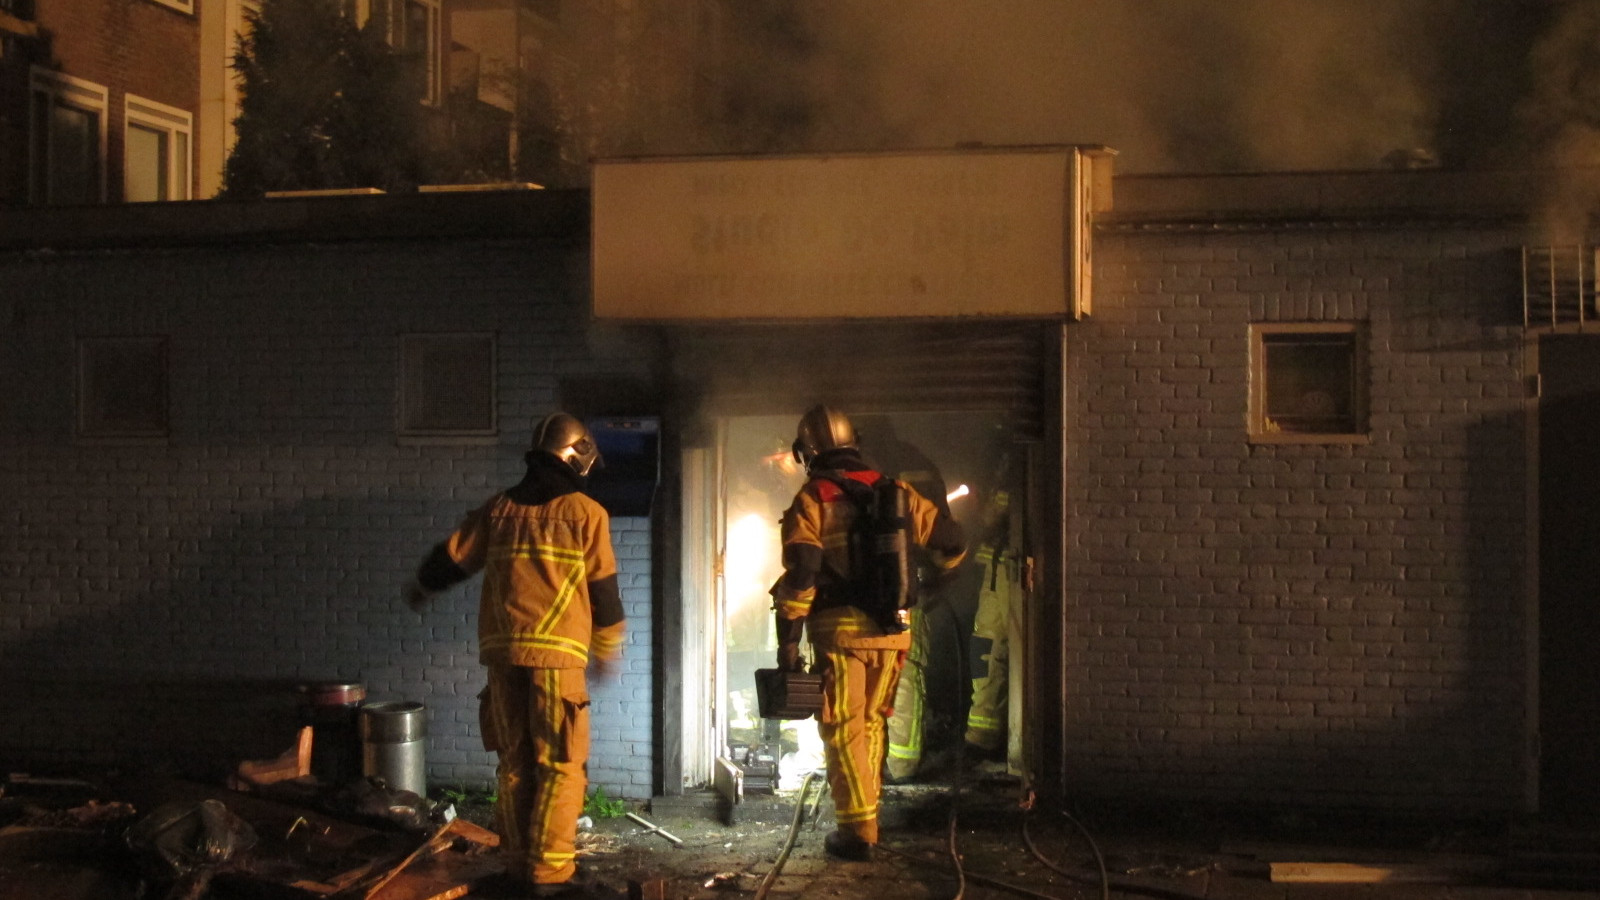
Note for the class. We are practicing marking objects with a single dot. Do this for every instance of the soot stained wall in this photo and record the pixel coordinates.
(160, 601)
(1297, 624)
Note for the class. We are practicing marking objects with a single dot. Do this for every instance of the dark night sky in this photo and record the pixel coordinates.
(1179, 85)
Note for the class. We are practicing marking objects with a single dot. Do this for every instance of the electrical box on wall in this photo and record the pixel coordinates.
(631, 449)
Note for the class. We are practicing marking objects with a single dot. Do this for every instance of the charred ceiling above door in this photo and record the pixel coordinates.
(870, 366)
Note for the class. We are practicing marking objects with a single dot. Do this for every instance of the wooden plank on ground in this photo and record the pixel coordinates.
(441, 877)
(1376, 873)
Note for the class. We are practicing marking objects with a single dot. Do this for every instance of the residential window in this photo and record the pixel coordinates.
(1307, 383)
(67, 138)
(122, 387)
(180, 5)
(421, 37)
(411, 26)
(447, 385)
(158, 155)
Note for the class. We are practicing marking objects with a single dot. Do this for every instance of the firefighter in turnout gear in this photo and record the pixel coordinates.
(549, 609)
(1006, 581)
(898, 458)
(999, 596)
(859, 649)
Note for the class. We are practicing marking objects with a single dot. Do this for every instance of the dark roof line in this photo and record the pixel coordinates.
(557, 216)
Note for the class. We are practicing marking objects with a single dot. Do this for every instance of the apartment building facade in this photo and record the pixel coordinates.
(112, 101)
(89, 116)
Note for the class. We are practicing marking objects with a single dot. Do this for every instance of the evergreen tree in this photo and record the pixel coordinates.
(324, 104)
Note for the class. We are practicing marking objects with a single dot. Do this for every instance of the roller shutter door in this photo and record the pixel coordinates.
(871, 367)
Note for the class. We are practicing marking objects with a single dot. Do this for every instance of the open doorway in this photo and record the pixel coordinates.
(963, 461)
(1569, 680)
(759, 481)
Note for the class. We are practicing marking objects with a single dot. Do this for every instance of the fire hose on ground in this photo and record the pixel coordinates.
(771, 877)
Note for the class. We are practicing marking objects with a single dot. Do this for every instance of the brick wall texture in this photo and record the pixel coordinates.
(159, 602)
(1331, 624)
(89, 39)
(1297, 624)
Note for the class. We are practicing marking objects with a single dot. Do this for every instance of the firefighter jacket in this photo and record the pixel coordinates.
(816, 559)
(549, 596)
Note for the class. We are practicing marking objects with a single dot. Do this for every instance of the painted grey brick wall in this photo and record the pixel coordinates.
(1297, 623)
(160, 601)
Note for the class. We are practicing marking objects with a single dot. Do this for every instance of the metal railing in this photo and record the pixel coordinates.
(1558, 289)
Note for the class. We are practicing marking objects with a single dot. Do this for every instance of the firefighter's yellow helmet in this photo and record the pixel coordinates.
(821, 429)
(565, 437)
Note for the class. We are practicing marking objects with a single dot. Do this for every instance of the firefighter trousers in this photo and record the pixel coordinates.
(910, 700)
(989, 655)
(537, 721)
(858, 688)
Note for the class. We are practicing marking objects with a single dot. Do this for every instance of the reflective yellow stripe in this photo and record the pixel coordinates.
(912, 749)
(542, 637)
(562, 602)
(841, 698)
(551, 776)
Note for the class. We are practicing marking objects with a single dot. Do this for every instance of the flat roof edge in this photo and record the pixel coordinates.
(1392, 195)
(539, 215)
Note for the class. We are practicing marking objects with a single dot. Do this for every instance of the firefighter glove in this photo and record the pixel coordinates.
(789, 657)
(417, 596)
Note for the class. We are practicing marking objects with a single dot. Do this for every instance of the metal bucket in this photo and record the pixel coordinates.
(329, 707)
(393, 742)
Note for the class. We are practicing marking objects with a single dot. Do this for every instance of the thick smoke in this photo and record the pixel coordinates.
(1560, 120)
(1172, 85)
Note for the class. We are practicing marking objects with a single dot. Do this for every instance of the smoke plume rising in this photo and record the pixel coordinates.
(1172, 85)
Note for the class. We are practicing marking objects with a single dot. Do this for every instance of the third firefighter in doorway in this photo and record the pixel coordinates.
(999, 584)
(980, 603)
(860, 646)
(1006, 577)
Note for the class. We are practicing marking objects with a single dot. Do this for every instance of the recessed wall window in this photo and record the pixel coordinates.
(447, 385)
(1307, 383)
(158, 156)
(122, 387)
(66, 139)
(180, 5)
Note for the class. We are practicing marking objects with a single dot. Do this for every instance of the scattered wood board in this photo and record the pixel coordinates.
(1451, 872)
(442, 876)
(292, 763)
(425, 873)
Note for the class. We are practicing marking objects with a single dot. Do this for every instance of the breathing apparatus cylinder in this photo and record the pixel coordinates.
(891, 554)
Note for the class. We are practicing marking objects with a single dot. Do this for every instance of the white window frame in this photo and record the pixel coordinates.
(172, 121)
(183, 6)
(59, 88)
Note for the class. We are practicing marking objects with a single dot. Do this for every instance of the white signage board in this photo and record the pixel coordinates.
(959, 233)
